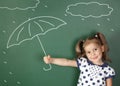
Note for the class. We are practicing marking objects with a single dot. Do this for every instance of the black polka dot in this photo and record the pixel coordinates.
(86, 70)
(93, 83)
(98, 81)
(86, 81)
(103, 78)
(88, 74)
(82, 72)
(103, 83)
(91, 79)
(84, 77)
(100, 74)
(109, 68)
(80, 59)
(82, 84)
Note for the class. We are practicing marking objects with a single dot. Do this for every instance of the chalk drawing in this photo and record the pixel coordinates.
(5, 81)
(11, 73)
(18, 82)
(17, 34)
(98, 24)
(3, 52)
(81, 9)
(108, 19)
(5, 62)
(19, 8)
(112, 30)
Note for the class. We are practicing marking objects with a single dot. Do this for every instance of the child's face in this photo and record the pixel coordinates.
(94, 52)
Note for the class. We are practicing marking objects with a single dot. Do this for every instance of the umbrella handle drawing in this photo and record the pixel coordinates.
(25, 31)
(50, 67)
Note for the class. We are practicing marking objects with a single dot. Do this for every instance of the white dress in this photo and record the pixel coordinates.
(93, 75)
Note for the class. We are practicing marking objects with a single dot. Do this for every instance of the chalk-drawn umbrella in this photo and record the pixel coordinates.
(34, 27)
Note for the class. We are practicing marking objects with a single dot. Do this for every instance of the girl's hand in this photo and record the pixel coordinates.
(47, 59)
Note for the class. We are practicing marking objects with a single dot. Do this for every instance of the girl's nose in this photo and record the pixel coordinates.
(93, 53)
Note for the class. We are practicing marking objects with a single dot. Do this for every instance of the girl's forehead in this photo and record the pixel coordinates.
(92, 41)
(91, 46)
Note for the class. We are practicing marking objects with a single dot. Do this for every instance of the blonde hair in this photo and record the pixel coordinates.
(99, 39)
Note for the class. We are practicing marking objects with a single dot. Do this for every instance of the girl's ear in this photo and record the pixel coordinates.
(103, 48)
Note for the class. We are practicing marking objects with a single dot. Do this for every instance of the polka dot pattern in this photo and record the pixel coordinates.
(93, 75)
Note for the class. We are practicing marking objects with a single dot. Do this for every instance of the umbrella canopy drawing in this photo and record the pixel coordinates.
(34, 27)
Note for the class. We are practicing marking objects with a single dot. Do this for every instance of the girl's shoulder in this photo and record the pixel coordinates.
(109, 71)
(109, 68)
(82, 60)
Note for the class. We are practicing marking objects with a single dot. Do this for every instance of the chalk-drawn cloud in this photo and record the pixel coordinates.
(90, 9)
(19, 4)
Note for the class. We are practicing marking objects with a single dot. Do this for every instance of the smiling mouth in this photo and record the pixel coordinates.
(94, 57)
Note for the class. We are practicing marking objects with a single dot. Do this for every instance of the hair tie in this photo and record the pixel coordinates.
(96, 35)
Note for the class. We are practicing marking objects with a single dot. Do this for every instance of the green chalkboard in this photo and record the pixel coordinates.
(30, 29)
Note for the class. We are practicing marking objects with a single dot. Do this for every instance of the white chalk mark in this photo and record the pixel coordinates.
(29, 31)
(4, 31)
(19, 33)
(28, 22)
(47, 69)
(18, 82)
(83, 19)
(112, 30)
(39, 26)
(41, 45)
(18, 8)
(68, 10)
(5, 81)
(108, 19)
(98, 24)
(5, 62)
(14, 22)
(11, 73)
(33, 9)
(42, 33)
(46, 6)
(47, 22)
(65, 14)
(4, 52)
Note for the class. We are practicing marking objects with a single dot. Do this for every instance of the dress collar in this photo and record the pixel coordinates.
(103, 65)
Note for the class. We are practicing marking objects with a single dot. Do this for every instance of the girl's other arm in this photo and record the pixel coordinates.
(109, 82)
(60, 61)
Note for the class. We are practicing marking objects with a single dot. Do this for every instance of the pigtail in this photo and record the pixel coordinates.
(79, 49)
(103, 41)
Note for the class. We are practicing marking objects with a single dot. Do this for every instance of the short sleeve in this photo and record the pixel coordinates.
(81, 61)
(109, 72)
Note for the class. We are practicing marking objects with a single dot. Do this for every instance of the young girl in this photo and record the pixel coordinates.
(92, 62)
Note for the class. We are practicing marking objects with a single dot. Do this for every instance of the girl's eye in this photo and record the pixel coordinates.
(88, 52)
(95, 49)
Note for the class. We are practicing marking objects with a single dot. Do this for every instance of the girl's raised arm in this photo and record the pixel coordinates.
(60, 61)
(109, 82)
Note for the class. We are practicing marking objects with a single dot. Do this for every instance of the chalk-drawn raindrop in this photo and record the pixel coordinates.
(4, 52)
(108, 19)
(5, 62)
(11, 73)
(18, 82)
(98, 24)
(5, 81)
(4, 31)
(112, 30)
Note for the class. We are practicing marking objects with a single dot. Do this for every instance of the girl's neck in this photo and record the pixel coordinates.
(98, 63)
